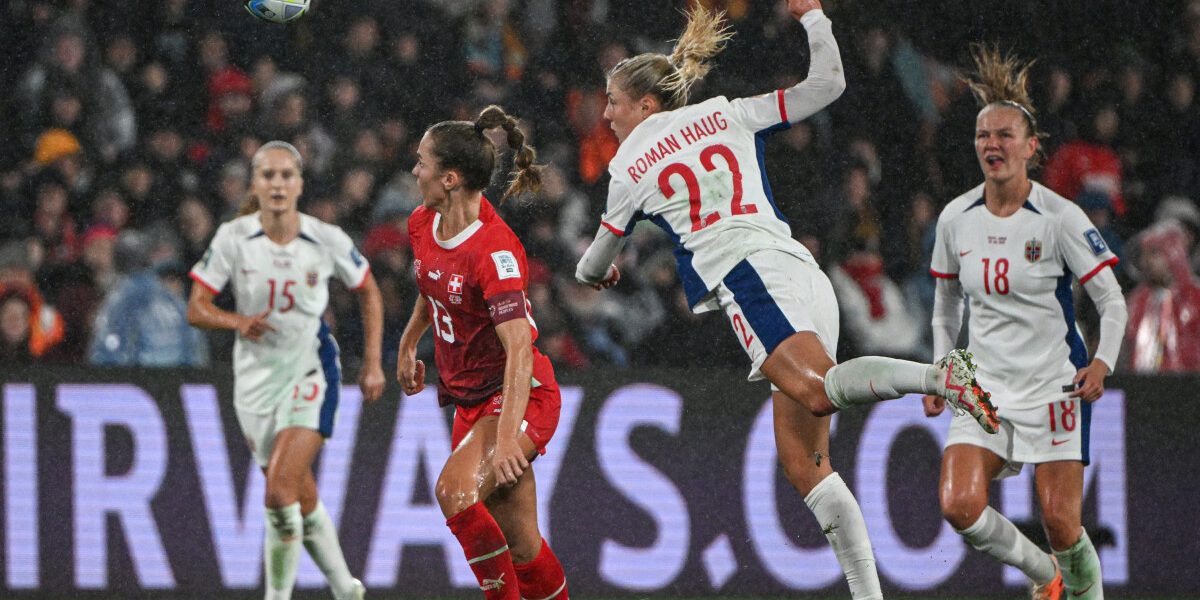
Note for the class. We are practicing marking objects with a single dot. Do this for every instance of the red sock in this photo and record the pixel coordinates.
(542, 578)
(487, 552)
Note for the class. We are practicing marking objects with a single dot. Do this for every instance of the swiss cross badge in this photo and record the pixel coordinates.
(311, 278)
(1033, 250)
(455, 284)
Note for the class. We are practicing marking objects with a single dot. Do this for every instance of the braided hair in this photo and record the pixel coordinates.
(463, 146)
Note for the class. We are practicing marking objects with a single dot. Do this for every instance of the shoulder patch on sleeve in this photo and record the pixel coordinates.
(1096, 241)
(506, 265)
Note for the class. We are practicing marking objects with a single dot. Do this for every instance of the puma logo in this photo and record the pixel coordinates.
(435, 275)
(494, 584)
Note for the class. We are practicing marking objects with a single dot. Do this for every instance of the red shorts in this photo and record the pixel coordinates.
(541, 414)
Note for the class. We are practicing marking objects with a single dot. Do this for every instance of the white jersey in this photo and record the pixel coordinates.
(1017, 272)
(289, 280)
(697, 172)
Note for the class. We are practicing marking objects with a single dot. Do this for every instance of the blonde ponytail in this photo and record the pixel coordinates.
(670, 78)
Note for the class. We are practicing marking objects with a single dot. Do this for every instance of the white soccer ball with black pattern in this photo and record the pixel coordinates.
(277, 11)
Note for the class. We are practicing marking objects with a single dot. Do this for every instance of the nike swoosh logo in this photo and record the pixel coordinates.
(961, 254)
(1083, 591)
(1058, 442)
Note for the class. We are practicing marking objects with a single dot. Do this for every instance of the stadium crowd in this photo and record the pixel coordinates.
(128, 129)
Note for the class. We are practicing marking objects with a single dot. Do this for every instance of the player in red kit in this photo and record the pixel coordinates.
(472, 276)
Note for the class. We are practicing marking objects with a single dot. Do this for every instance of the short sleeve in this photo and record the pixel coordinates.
(216, 266)
(944, 264)
(1081, 246)
(348, 264)
(501, 268)
(621, 212)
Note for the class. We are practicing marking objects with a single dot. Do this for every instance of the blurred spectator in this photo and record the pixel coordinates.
(1185, 211)
(1090, 162)
(69, 65)
(1180, 137)
(143, 323)
(876, 316)
(15, 310)
(45, 325)
(52, 223)
(195, 228)
(491, 44)
(1163, 335)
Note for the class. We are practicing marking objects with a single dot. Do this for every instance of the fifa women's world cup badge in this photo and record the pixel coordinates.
(1033, 250)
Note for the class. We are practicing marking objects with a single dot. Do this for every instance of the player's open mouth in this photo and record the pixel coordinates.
(993, 160)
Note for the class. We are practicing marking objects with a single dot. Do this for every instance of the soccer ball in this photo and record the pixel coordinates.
(277, 11)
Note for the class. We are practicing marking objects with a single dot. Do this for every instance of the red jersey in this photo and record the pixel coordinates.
(472, 282)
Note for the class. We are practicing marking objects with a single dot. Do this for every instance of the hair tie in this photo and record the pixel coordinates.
(479, 128)
(1021, 107)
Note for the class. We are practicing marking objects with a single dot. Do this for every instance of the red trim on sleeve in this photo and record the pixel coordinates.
(943, 275)
(364, 280)
(616, 231)
(1112, 261)
(782, 106)
(203, 283)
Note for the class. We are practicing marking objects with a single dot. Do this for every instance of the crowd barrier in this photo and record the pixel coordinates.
(662, 483)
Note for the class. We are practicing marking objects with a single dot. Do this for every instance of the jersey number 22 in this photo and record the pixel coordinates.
(693, 185)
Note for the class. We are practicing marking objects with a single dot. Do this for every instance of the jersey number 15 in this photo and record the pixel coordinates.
(693, 185)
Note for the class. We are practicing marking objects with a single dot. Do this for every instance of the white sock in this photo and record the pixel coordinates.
(1081, 569)
(870, 379)
(994, 535)
(281, 552)
(841, 519)
(321, 541)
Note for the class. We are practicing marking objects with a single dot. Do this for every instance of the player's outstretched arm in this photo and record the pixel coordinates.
(597, 267)
(509, 461)
(370, 303)
(410, 372)
(204, 314)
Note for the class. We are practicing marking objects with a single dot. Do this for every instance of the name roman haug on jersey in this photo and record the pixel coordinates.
(691, 133)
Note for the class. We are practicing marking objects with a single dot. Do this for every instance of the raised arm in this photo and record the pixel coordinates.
(825, 82)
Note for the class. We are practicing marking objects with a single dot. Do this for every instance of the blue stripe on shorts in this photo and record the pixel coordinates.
(328, 351)
(759, 308)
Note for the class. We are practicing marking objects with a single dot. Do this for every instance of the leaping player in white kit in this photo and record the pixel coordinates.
(1013, 248)
(287, 375)
(696, 171)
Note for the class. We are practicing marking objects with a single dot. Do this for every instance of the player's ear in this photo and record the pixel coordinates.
(451, 179)
(649, 105)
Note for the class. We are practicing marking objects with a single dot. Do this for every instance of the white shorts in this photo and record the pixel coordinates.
(771, 295)
(1058, 430)
(311, 403)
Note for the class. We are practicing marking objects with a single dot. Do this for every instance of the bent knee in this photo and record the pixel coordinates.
(281, 494)
(1061, 531)
(454, 495)
(962, 511)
